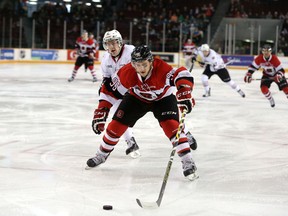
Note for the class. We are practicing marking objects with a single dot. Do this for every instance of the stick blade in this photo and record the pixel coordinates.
(147, 205)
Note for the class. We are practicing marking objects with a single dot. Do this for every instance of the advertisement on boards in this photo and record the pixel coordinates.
(238, 60)
(7, 54)
(44, 54)
(72, 55)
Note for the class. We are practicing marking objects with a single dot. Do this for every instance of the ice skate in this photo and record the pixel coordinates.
(207, 93)
(133, 148)
(97, 160)
(192, 141)
(70, 79)
(94, 79)
(189, 168)
(272, 102)
(241, 93)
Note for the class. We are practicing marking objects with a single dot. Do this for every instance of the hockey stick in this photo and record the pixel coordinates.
(265, 79)
(191, 68)
(208, 63)
(168, 168)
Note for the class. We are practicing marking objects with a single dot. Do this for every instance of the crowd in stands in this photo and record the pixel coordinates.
(194, 20)
(264, 9)
(192, 17)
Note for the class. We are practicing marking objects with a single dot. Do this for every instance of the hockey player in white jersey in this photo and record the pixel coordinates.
(116, 56)
(213, 64)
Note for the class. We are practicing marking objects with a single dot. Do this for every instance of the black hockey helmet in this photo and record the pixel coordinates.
(141, 53)
(267, 47)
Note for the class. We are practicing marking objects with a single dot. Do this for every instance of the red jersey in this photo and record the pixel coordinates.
(270, 66)
(156, 85)
(84, 47)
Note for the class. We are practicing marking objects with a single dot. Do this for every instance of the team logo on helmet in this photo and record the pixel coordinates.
(141, 53)
(267, 47)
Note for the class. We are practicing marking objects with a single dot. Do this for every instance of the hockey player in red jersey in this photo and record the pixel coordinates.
(147, 84)
(188, 50)
(96, 45)
(272, 71)
(85, 49)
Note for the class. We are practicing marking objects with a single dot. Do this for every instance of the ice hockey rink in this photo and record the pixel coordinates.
(46, 139)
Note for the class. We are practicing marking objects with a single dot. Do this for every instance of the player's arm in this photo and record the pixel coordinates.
(218, 62)
(254, 66)
(184, 83)
(280, 72)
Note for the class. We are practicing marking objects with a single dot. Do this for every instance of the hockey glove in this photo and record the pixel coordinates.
(201, 64)
(184, 98)
(248, 77)
(99, 120)
(278, 77)
(193, 59)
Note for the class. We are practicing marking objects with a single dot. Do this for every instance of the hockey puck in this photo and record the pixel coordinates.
(107, 207)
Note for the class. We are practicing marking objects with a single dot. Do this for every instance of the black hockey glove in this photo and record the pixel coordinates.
(193, 59)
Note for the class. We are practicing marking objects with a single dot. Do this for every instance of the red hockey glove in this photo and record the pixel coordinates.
(99, 120)
(184, 98)
(278, 77)
(248, 77)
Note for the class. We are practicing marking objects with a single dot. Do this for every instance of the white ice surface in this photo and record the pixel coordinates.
(46, 139)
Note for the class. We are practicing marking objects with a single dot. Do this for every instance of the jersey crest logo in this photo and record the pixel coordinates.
(120, 114)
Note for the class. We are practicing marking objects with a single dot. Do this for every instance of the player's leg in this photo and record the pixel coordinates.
(78, 63)
(283, 86)
(132, 146)
(265, 85)
(191, 140)
(111, 137)
(129, 111)
(225, 77)
(90, 65)
(204, 78)
(188, 62)
(169, 121)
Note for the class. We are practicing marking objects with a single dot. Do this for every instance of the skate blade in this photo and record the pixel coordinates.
(192, 177)
(135, 154)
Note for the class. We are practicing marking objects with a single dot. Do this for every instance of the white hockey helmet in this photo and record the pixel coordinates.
(205, 47)
(112, 35)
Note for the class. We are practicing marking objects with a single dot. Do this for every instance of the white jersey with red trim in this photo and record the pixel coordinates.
(83, 47)
(270, 66)
(157, 85)
(110, 65)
